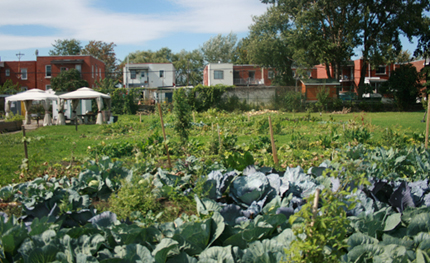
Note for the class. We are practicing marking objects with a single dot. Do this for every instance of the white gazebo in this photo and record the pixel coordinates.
(83, 94)
(28, 97)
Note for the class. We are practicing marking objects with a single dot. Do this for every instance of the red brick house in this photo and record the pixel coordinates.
(238, 75)
(38, 74)
(351, 73)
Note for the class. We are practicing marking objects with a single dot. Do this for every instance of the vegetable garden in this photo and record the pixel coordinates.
(347, 188)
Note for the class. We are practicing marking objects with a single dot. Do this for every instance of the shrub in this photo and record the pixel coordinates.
(133, 197)
(182, 113)
(288, 100)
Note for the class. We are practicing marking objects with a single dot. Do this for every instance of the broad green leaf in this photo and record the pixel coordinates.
(392, 221)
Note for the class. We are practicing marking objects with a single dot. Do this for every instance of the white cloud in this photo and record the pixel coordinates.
(78, 19)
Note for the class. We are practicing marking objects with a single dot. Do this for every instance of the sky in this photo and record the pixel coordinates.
(133, 25)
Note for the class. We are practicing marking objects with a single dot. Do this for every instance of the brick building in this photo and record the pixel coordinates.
(238, 75)
(38, 74)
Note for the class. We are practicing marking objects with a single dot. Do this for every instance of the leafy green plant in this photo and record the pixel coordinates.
(182, 113)
(14, 117)
(134, 196)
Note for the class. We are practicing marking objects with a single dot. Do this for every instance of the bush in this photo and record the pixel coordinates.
(288, 100)
(132, 197)
(13, 117)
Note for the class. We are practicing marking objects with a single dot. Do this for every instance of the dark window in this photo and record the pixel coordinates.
(218, 74)
(133, 74)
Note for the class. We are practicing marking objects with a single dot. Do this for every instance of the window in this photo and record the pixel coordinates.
(161, 73)
(251, 75)
(96, 71)
(381, 70)
(142, 74)
(48, 71)
(271, 74)
(100, 73)
(24, 88)
(7, 72)
(47, 87)
(218, 74)
(133, 74)
(92, 71)
(78, 68)
(24, 73)
(63, 69)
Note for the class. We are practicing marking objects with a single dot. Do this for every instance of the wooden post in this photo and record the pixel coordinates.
(315, 206)
(140, 116)
(25, 144)
(427, 123)
(274, 152)
(194, 117)
(164, 135)
(76, 123)
(219, 135)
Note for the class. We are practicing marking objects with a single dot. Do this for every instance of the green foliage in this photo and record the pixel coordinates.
(123, 101)
(202, 98)
(68, 80)
(321, 237)
(66, 47)
(403, 84)
(13, 117)
(182, 113)
(9, 88)
(220, 49)
(323, 94)
(134, 196)
(288, 100)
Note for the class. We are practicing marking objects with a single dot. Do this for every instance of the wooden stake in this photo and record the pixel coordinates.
(164, 135)
(274, 152)
(25, 142)
(427, 123)
(219, 136)
(315, 206)
(194, 118)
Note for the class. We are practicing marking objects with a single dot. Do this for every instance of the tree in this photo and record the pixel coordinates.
(164, 55)
(104, 52)
(66, 47)
(403, 84)
(9, 88)
(404, 56)
(381, 24)
(316, 32)
(188, 67)
(68, 80)
(268, 45)
(220, 49)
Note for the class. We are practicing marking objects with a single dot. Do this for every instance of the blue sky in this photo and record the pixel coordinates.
(27, 25)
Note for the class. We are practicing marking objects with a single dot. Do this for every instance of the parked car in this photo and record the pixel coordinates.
(347, 95)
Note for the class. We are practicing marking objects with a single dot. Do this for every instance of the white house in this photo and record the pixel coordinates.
(218, 73)
(149, 75)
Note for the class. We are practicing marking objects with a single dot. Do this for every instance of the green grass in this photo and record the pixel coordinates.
(58, 146)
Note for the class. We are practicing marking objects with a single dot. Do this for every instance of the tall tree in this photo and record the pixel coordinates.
(68, 80)
(189, 67)
(317, 32)
(66, 47)
(9, 88)
(268, 44)
(164, 55)
(381, 25)
(103, 51)
(220, 49)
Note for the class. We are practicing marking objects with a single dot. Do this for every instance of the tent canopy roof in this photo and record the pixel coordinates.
(32, 94)
(84, 93)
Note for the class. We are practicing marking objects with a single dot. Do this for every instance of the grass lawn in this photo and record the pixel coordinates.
(61, 148)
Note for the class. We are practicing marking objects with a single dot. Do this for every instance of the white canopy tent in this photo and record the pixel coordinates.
(28, 97)
(83, 94)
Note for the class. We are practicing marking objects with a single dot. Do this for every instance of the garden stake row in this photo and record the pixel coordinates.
(274, 152)
(164, 135)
